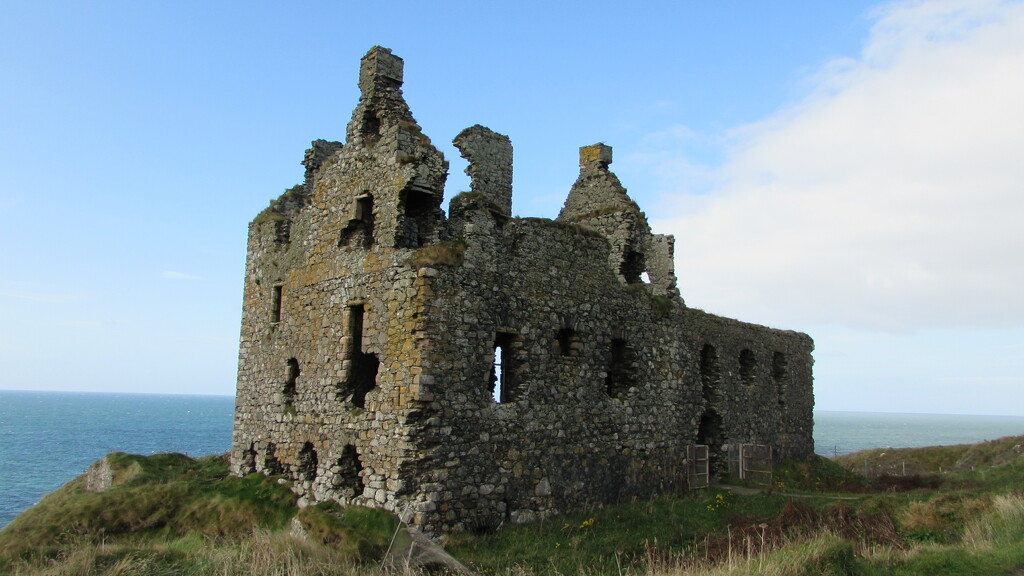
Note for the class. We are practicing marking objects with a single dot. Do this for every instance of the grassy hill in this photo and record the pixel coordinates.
(169, 514)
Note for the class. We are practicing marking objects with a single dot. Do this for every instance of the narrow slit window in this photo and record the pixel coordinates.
(501, 383)
(275, 303)
(290, 388)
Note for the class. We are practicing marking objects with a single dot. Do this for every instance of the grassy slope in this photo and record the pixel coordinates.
(168, 514)
(171, 514)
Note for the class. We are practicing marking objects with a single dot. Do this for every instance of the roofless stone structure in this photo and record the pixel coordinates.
(474, 368)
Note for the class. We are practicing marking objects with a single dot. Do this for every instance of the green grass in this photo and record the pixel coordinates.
(817, 474)
(628, 534)
(170, 514)
(160, 497)
(936, 460)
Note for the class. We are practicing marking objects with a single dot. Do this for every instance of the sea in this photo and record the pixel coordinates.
(49, 438)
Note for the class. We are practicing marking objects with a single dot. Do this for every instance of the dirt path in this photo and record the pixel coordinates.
(750, 491)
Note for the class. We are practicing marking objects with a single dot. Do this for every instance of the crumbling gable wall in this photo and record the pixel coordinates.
(599, 201)
(478, 369)
(329, 363)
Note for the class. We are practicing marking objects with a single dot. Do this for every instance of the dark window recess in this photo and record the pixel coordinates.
(416, 225)
(709, 432)
(307, 462)
(271, 465)
(359, 229)
(621, 369)
(569, 344)
(275, 303)
(288, 392)
(501, 382)
(349, 480)
(248, 465)
(632, 268)
(709, 373)
(283, 230)
(364, 367)
(370, 128)
(780, 371)
(748, 367)
(364, 377)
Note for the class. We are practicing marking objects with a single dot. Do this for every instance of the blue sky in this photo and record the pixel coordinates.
(848, 169)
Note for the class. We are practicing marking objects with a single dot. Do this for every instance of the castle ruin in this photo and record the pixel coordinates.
(474, 368)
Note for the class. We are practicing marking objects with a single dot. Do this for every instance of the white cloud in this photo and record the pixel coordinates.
(39, 297)
(171, 275)
(891, 197)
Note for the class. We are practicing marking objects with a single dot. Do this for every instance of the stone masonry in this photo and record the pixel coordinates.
(473, 368)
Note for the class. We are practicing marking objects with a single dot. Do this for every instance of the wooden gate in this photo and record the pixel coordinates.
(751, 462)
(697, 476)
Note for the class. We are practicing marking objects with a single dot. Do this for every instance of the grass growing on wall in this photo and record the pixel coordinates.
(441, 254)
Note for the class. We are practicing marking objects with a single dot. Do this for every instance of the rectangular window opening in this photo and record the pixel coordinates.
(501, 380)
(363, 374)
(275, 304)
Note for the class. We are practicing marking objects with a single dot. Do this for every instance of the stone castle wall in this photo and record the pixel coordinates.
(473, 368)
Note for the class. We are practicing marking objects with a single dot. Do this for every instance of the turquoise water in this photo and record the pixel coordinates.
(48, 438)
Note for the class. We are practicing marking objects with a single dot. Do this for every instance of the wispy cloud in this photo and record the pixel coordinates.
(171, 275)
(889, 197)
(40, 297)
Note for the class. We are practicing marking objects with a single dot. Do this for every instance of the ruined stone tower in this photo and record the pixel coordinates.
(476, 368)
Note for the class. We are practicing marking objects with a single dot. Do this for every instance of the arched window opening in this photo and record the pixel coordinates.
(501, 382)
(621, 369)
(349, 479)
(632, 267)
(709, 373)
(271, 465)
(780, 372)
(288, 392)
(569, 343)
(307, 462)
(748, 367)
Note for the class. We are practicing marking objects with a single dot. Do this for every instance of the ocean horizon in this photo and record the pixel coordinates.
(49, 438)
